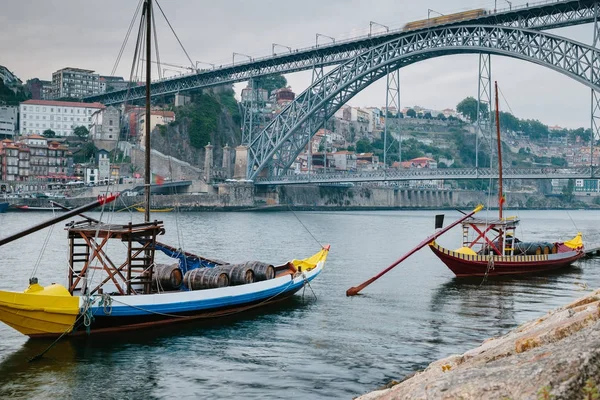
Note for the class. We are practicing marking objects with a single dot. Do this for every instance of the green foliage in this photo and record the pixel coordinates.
(10, 98)
(567, 191)
(544, 393)
(228, 100)
(271, 82)
(162, 129)
(351, 148)
(411, 113)
(558, 161)
(86, 153)
(590, 391)
(441, 117)
(49, 133)
(203, 115)
(468, 108)
(427, 115)
(363, 146)
(81, 131)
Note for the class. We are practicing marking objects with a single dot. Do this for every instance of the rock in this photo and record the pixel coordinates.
(555, 356)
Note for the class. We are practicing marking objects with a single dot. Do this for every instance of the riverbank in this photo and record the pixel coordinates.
(556, 356)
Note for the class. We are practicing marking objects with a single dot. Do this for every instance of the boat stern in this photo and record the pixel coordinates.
(39, 311)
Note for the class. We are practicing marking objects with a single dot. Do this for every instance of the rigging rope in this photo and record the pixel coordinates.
(137, 10)
(177, 37)
(304, 226)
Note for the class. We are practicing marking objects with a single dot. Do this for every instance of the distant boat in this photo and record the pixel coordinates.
(3, 207)
(152, 210)
(35, 208)
(490, 247)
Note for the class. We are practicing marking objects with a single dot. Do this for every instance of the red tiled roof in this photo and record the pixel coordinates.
(35, 137)
(163, 113)
(63, 103)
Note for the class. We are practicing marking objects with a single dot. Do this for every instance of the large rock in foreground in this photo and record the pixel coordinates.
(556, 356)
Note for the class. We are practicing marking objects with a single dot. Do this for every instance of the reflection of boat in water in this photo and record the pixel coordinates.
(491, 248)
(155, 210)
(107, 293)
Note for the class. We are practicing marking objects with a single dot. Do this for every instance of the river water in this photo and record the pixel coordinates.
(328, 347)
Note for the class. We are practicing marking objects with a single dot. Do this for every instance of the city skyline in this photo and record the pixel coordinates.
(91, 36)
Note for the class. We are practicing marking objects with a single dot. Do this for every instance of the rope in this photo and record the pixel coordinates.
(490, 267)
(304, 226)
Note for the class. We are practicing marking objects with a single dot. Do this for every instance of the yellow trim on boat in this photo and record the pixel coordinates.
(311, 262)
(142, 209)
(39, 310)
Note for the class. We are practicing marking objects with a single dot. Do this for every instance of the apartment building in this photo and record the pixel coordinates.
(75, 82)
(60, 116)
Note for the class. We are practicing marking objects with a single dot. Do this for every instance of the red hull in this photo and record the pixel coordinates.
(471, 266)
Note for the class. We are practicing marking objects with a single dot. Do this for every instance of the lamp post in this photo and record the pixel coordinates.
(280, 45)
(371, 23)
(240, 54)
(207, 63)
(321, 35)
(429, 11)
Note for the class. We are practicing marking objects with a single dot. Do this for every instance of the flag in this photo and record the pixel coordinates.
(503, 198)
(157, 179)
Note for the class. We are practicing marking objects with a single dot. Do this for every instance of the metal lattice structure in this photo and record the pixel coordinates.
(484, 104)
(595, 111)
(428, 174)
(544, 15)
(392, 101)
(285, 137)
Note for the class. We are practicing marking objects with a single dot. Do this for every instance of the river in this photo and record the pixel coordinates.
(324, 347)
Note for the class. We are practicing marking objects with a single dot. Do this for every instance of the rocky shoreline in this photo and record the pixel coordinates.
(554, 357)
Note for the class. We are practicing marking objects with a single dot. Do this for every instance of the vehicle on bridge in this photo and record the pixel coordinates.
(445, 19)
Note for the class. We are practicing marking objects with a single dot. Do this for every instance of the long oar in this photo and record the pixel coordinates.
(101, 200)
(353, 291)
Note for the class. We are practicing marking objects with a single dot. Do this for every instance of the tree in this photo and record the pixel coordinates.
(441, 117)
(271, 82)
(49, 133)
(427, 115)
(81, 131)
(363, 146)
(567, 191)
(468, 108)
(411, 113)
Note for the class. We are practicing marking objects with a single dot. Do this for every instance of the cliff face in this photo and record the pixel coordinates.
(212, 116)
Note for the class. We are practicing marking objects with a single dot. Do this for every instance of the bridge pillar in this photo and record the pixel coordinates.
(595, 109)
(241, 162)
(208, 162)
(392, 100)
(227, 161)
(484, 104)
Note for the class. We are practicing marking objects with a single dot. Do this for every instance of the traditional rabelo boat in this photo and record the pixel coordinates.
(491, 247)
(105, 294)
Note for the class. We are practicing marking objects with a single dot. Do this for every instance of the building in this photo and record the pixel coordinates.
(40, 90)
(157, 117)
(10, 80)
(112, 83)
(103, 162)
(75, 83)
(8, 120)
(38, 158)
(106, 126)
(60, 116)
(57, 160)
(24, 157)
(9, 161)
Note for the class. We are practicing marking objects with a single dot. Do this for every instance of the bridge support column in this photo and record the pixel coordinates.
(392, 100)
(227, 161)
(484, 104)
(241, 162)
(208, 162)
(595, 105)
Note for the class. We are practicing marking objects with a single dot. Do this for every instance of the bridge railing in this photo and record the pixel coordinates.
(431, 174)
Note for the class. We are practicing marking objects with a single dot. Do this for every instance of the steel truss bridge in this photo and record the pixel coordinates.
(426, 174)
(361, 61)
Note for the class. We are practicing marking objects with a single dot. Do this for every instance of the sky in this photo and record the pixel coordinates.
(38, 37)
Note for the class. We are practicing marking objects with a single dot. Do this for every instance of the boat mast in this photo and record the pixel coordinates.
(147, 137)
(500, 195)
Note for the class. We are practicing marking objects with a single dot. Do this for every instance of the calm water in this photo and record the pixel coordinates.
(324, 348)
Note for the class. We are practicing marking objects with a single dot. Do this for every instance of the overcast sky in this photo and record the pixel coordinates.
(38, 37)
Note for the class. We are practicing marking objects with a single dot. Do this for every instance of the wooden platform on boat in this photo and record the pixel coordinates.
(114, 230)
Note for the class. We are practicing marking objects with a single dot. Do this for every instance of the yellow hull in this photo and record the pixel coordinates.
(39, 311)
(142, 209)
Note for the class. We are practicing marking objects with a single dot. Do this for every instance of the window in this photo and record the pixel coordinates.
(44, 109)
(24, 108)
(37, 109)
(110, 122)
(24, 116)
(52, 110)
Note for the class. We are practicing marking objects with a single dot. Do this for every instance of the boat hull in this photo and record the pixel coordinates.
(464, 265)
(104, 314)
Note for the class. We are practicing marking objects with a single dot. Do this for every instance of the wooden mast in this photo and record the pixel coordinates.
(500, 191)
(148, 116)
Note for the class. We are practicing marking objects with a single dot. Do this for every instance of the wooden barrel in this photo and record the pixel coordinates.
(239, 274)
(262, 271)
(206, 278)
(167, 277)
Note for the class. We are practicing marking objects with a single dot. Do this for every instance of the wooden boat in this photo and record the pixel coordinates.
(107, 293)
(154, 210)
(35, 208)
(491, 248)
(3, 207)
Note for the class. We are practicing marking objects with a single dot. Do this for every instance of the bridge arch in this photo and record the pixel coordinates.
(286, 135)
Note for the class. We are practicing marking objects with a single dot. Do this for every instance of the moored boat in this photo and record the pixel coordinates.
(109, 291)
(490, 247)
(154, 210)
